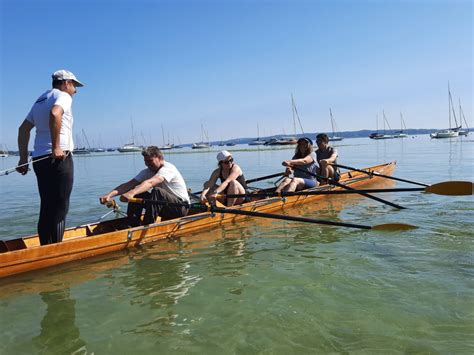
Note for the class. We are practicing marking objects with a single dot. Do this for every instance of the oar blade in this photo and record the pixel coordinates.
(394, 227)
(451, 188)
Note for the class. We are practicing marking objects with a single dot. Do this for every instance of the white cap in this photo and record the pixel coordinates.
(223, 155)
(66, 75)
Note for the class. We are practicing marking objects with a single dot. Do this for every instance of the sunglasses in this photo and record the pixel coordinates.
(227, 161)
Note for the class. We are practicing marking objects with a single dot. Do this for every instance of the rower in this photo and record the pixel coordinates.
(232, 181)
(160, 181)
(326, 155)
(305, 160)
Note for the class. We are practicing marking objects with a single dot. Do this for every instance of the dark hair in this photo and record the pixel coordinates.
(305, 139)
(152, 152)
(57, 83)
(322, 137)
(303, 150)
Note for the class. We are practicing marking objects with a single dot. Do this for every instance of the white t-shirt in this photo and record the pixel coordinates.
(39, 117)
(173, 181)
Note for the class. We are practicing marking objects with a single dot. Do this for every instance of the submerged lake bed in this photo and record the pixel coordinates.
(258, 286)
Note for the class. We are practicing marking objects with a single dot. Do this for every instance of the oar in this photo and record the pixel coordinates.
(383, 227)
(360, 192)
(255, 180)
(378, 174)
(162, 202)
(264, 177)
(214, 209)
(448, 188)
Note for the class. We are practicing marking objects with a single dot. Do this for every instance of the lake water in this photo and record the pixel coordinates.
(259, 286)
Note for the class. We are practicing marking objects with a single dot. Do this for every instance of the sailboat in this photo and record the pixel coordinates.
(257, 141)
(130, 147)
(384, 135)
(287, 140)
(334, 138)
(202, 144)
(462, 132)
(165, 146)
(3, 151)
(82, 150)
(451, 132)
(400, 133)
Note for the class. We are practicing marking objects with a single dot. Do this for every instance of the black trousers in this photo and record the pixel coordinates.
(55, 179)
(166, 212)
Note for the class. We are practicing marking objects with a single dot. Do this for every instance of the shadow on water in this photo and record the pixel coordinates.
(59, 333)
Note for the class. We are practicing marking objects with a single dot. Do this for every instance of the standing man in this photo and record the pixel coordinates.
(51, 114)
(160, 181)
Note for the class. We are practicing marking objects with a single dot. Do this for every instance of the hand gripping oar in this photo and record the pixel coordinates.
(448, 188)
(345, 187)
(382, 227)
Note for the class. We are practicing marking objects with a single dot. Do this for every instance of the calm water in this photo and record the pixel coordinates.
(260, 286)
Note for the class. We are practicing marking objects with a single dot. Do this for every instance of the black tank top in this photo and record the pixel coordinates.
(240, 178)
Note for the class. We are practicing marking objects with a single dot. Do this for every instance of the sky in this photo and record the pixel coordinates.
(230, 66)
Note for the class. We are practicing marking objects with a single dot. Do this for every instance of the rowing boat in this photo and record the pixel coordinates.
(25, 253)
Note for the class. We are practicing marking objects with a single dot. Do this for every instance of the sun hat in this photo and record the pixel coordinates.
(305, 139)
(223, 155)
(66, 75)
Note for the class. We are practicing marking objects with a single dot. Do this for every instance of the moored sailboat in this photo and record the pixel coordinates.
(334, 138)
(202, 144)
(382, 135)
(462, 131)
(451, 132)
(257, 141)
(130, 147)
(400, 133)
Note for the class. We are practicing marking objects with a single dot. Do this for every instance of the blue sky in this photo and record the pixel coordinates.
(232, 64)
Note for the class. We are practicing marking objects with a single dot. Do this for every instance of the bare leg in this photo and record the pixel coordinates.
(283, 184)
(296, 184)
(235, 188)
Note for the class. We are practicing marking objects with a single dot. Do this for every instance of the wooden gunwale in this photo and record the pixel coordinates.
(79, 244)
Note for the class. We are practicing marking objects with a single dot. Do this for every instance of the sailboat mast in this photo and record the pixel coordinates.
(293, 110)
(133, 133)
(384, 120)
(84, 133)
(462, 116)
(332, 123)
(451, 105)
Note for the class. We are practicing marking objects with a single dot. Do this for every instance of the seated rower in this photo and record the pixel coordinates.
(304, 159)
(160, 181)
(232, 181)
(326, 155)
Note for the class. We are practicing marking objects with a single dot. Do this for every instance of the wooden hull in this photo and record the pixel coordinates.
(25, 254)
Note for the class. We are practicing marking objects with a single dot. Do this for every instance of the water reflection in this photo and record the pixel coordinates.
(59, 333)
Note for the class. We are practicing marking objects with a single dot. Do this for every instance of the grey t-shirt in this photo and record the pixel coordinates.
(310, 167)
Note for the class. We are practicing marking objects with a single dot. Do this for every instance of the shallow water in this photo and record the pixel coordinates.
(259, 286)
